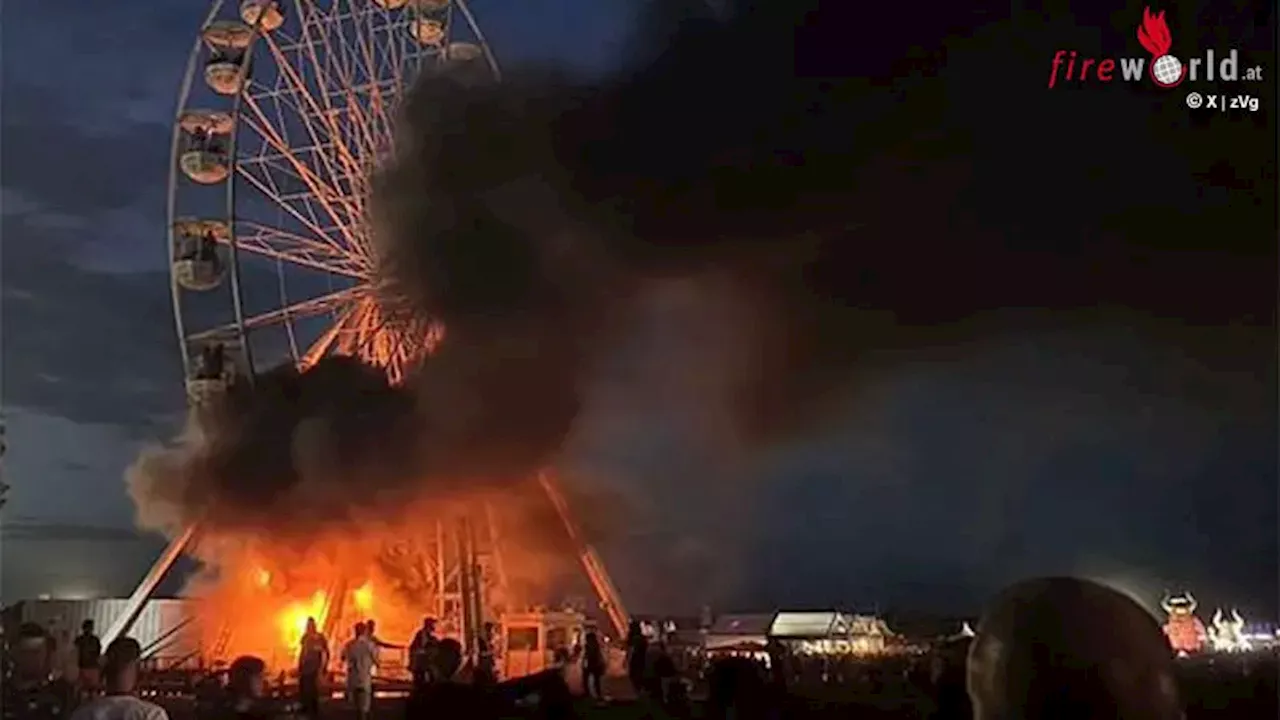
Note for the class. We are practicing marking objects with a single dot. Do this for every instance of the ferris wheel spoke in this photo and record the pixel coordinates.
(328, 197)
(298, 250)
(365, 59)
(324, 344)
(339, 55)
(350, 338)
(274, 176)
(297, 311)
(310, 223)
(320, 151)
(390, 343)
(313, 113)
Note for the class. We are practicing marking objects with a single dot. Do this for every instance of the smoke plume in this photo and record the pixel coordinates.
(823, 192)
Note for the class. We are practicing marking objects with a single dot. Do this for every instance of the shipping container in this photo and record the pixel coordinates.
(165, 627)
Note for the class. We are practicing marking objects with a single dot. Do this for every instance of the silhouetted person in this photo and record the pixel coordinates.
(212, 358)
(486, 670)
(445, 696)
(736, 690)
(88, 659)
(31, 693)
(593, 665)
(422, 650)
(665, 675)
(246, 687)
(947, 680)
(120, 682)
(555, 699)
(1068, 648)
(637, 656)
(313, 660)
(778, 662)
(361, 657)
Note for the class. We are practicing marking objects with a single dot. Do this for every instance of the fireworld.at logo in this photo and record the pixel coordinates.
(1163, 69)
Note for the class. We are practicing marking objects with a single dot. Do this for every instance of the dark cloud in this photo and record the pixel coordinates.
(64, 163)
(90, 347)
(1082, 452)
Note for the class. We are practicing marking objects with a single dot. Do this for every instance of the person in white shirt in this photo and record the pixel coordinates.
(361, 656)
(120, 677)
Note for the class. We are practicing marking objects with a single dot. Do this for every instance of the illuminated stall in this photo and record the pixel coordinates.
(831, 633)
(827, 632)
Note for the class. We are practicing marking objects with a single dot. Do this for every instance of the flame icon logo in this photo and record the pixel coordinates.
(1166, 70)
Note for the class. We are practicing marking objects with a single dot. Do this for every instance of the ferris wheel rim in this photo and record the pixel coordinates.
(171, 201)
(239, 331)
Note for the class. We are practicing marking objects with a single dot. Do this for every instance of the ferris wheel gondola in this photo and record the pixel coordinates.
(284, 112)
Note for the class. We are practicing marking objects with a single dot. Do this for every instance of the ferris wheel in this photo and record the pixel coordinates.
(285, 110)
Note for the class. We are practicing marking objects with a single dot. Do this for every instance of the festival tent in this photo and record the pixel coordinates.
(810, 625)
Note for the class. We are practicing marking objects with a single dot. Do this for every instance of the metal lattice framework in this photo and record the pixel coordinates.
(269, 243)
(272, 158)
(269, 240)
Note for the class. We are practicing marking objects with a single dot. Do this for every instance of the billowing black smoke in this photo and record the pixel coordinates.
(825, 176)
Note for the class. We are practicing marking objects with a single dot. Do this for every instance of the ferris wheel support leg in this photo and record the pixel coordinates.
(141, 594)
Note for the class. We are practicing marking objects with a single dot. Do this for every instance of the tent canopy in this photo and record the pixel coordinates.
(809, 624)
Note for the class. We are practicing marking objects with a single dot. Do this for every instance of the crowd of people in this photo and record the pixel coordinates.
(1052, 648)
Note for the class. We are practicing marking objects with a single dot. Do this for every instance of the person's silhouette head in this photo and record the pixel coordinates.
(1069, 648)
(311, 625)
(247, 677)
(120, 665)
(31, 653)
(734, 683)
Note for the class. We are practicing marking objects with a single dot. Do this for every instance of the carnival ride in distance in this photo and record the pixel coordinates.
(272, 156)
(1227, 633)
(1185, 631)
(1188, 635)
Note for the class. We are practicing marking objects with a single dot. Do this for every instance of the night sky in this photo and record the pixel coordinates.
(1141, 452)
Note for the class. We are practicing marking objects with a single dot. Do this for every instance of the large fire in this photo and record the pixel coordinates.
(262, 589)
(293, 619)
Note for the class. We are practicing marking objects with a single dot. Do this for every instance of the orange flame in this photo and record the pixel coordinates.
(293, 619)
(1154, 33)
(363, 596)
(261, 588)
